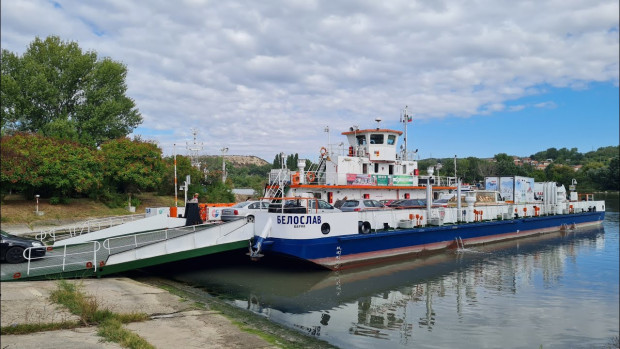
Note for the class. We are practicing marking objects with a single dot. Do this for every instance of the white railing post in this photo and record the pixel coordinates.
(29, 255)
(64, 257)
(95, 254)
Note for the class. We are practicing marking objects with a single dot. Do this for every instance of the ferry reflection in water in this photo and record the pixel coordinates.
(558, 289)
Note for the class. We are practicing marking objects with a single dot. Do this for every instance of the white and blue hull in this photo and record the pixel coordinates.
(334, 240)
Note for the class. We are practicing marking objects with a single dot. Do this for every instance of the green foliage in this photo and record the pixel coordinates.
(132, 164)
(87, 308)
(251, 176)
(135, 201)
(58, 90)
(219, 192)
(40, 327)
(112, 199)
(62, 169)
(112, 331)
(184, 168)
(600, 169)
(290, 161)
(32, 162)
(55, 200)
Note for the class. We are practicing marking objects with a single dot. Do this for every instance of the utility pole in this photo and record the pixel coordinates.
(176, 200)
(455, 166)
(328, 140)
(224, 151)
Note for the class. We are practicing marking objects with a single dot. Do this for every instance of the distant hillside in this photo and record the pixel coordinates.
(242, 160)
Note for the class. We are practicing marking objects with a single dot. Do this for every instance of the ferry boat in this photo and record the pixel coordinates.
(371, 168)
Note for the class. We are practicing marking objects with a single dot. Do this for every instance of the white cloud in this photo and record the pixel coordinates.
(546, 105)
(265, 77)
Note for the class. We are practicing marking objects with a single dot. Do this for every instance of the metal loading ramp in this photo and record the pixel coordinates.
(122, 253)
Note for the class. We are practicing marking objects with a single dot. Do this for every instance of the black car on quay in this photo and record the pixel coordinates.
(12, 248)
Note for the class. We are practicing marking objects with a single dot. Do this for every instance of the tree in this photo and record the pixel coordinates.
(132, 165)
(57, 90)
(48, 166)
(184, 168)
(277, 161)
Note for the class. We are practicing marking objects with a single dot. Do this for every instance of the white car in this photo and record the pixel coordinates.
(243, 209)
(324, 207)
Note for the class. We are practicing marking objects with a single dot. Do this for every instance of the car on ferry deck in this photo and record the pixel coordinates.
(414, 203)
(361, 205)
(389, 202)
(323, 206)
(12, 248)
(243, 209)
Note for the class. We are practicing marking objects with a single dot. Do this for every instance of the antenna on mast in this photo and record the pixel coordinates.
(193, 150)
(405, 118)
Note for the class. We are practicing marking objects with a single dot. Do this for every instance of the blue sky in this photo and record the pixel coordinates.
(480, 77)
(585, 119)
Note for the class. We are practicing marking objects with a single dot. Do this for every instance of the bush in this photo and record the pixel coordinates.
(59, 200)
(113, 200)
(135, 201)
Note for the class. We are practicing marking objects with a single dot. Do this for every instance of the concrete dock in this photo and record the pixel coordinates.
(174, 322)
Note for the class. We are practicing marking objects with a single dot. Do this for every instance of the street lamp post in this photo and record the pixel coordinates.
(328, 140)
(224, 150)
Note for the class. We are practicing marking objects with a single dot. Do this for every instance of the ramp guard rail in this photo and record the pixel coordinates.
(86, 227)
(88, 256)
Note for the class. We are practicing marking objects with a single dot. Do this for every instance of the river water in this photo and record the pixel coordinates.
(560, 290)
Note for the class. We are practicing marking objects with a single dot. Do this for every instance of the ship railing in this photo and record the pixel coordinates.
(296, 201)
(88, 256)
(63, 259)
(439, 181)
(134, 241)
(278, 179)
(77, 229)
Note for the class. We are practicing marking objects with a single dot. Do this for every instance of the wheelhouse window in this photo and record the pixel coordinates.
(361, 140)
(376, 138)
(391, 140)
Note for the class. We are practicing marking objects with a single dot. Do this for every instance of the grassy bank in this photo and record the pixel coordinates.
(16, 209)
(109, 324)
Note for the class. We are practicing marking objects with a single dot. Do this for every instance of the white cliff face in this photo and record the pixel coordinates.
(245, 160)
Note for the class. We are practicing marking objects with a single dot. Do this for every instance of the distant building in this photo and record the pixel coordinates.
(242, 194)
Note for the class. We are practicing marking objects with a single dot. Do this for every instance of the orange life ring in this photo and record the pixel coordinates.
(89, 265)
(310, 176)
(296, 178)
(323, 151)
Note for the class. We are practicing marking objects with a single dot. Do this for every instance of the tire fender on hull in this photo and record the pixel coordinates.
(363, 227)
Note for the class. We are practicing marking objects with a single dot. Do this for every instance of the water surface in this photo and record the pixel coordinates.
(559, 290)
